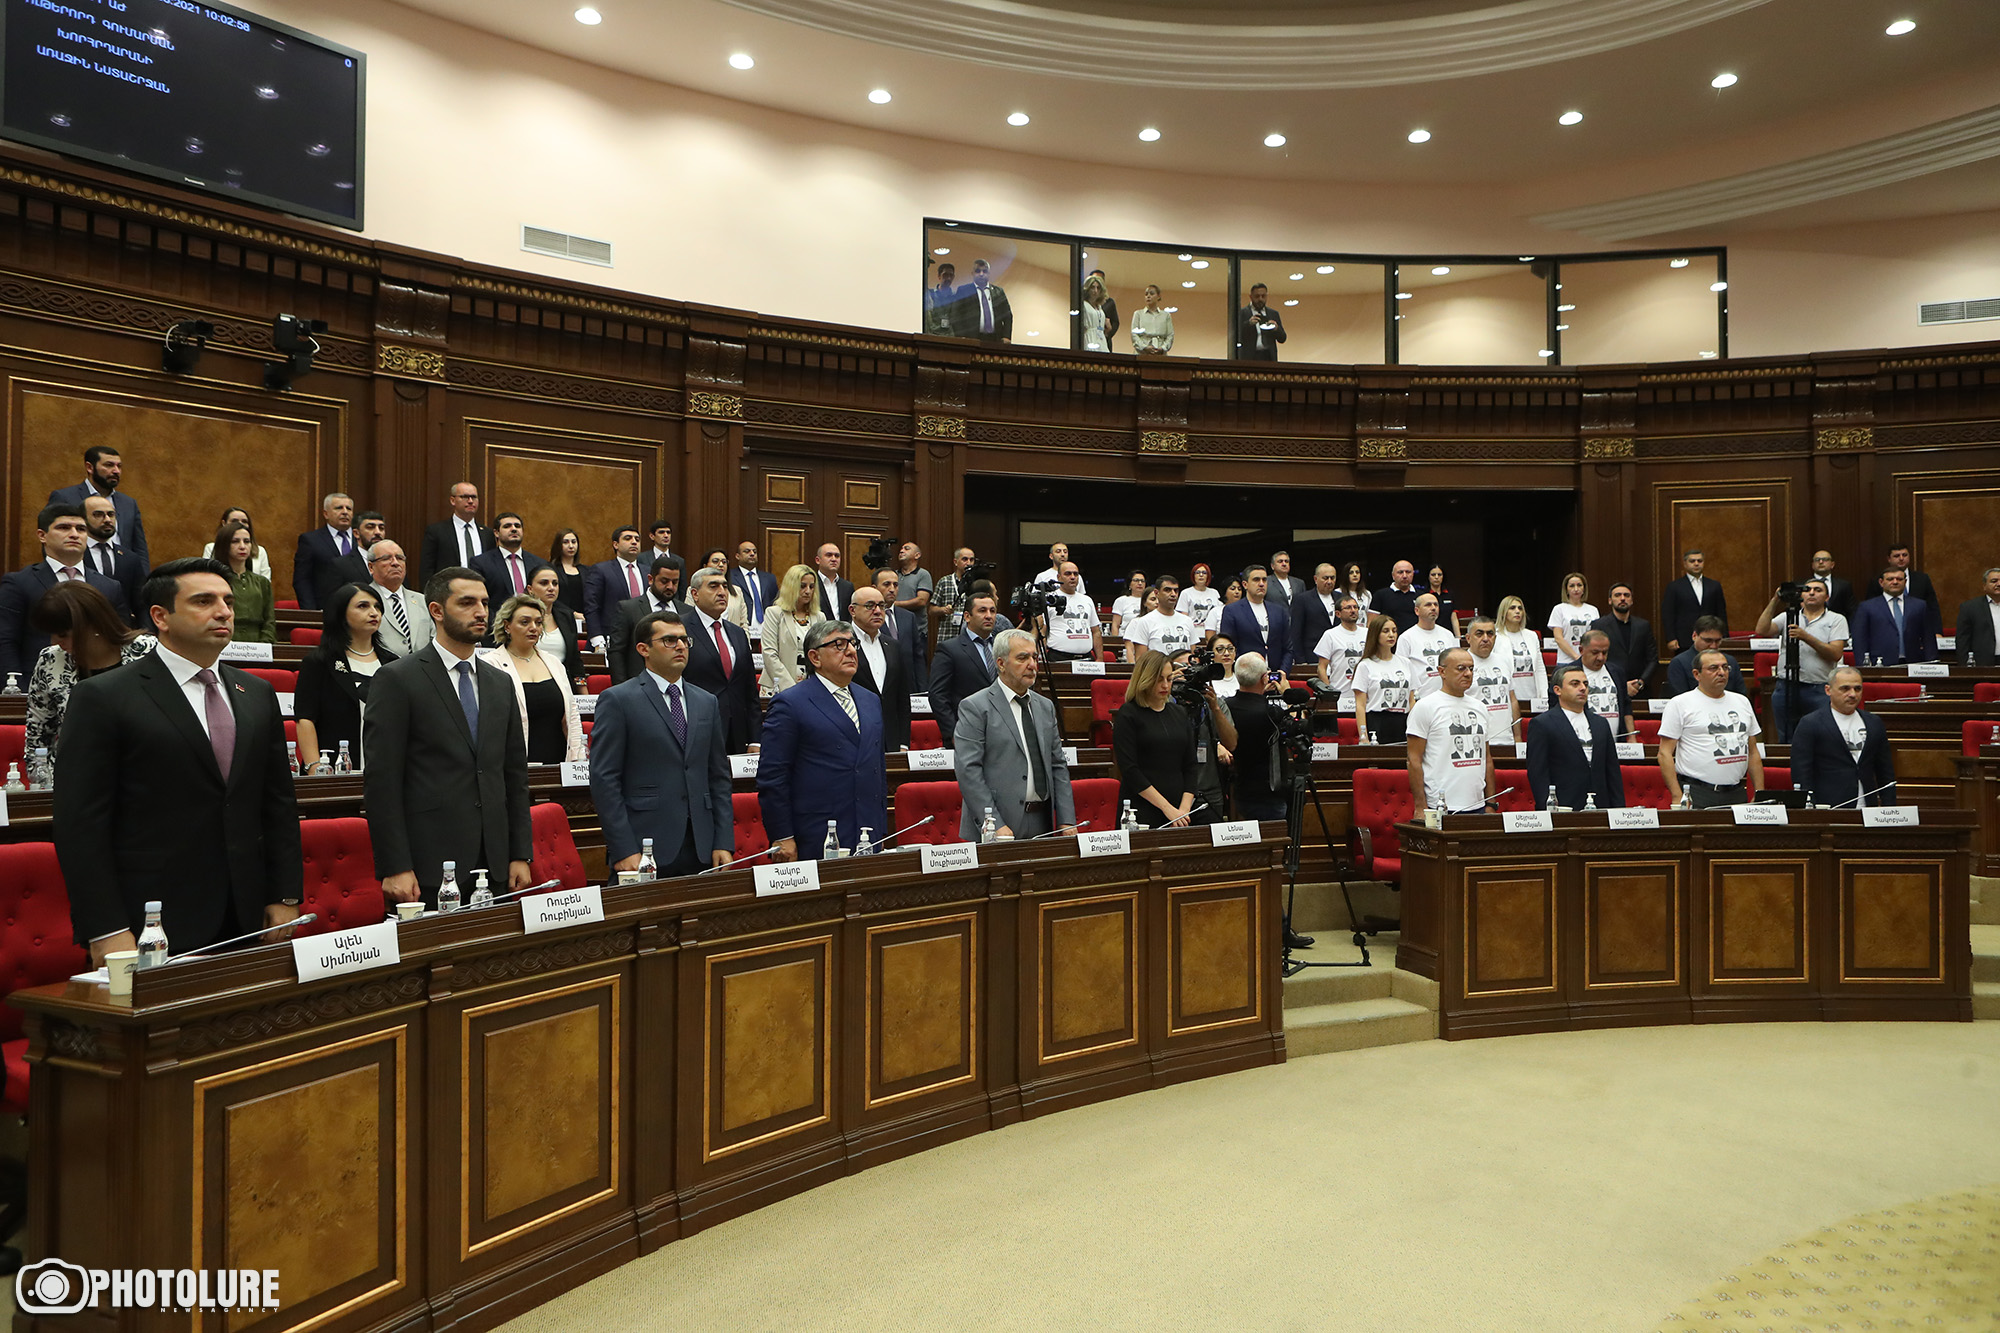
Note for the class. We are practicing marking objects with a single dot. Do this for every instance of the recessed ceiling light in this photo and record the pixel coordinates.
(1722, 81)
(1527, 259)
(1034, 333)
(1708, 356)
(942, 250)
(1184, 258)
(1565, 307)
(589, 17)
(1402, 296)
(1293, 301)
(1562, 328)
(741, 60)
(951, 224)
(1173, 310)
(1677, 263)
(1440, 270)
(1901, 26)
(1298, 277)
(1274, 141)
(1570, 118)
(1199, 263)
(1324, 268)
(1188, 283)
(879, 97)
(1018, 118)
(1545, 352)
(1420, 136)
(1149, 135)
(1718, 286)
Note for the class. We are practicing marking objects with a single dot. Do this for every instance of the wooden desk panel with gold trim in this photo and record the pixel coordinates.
(1979, 792)
(448, 1141)
(1701, 921)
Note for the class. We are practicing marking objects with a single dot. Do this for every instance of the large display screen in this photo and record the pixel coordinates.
(198, 94)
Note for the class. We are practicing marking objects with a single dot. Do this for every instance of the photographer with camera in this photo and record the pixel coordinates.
(1260, 787)
(1068, 623)
(1821, 636)
(1154, 746)
(1201, 679)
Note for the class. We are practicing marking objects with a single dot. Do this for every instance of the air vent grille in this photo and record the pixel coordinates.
(1959, 312)
(562, 245)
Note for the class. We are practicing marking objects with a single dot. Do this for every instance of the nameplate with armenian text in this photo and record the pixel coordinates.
(1326, 750)
(1069, 755)
(586, 705)
(742, 765)
(935, 858)
(576, 773)
(1761, 814)
(1889, 816)
(239, 651)
(932, 761)
(920, 703)
(786, 877)
(343, 951)
(1528, 821)
(555, 911)
(1766, 645)
(1631, 749)
(1105, 842)
(285, 705)
(1086, 668)
(1235, 833)
(1929, 670)
(1634, 816)
(1657, 705)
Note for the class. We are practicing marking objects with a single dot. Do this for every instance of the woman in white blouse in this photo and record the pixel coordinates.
(1131, 606)
(1095, 339)
(1524, 647)
(1152, 327)
(1570, 620)
(518, 631)
(1354, 583)
(260, 560)
(1200, 602)
(785, 625)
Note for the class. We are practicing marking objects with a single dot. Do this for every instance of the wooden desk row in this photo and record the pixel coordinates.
(447, 1141)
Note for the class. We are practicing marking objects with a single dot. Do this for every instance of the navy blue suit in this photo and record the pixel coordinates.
(1239, 622)
(814, 766)
(959, 671)
(491, 565)
(129, 572)
(313, 566)
(767, 592)
(647, 785)
(604, 587)
(20, 642)
(1823, 765)
(131, 530)
(1555, 759)
(1875, 632)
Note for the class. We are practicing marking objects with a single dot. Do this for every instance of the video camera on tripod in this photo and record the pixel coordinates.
(881, 553)
(1035, 600)
(1190, 688)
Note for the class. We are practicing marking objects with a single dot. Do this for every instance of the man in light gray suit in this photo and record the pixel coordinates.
(406, 624)
(659, 761)
(999, 728)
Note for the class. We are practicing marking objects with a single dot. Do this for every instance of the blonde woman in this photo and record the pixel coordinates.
(1095, 338)
(548, 707)
(1152, 327)
(1153, 742)
(1570, 620)
(1524, 648)
(785, 626)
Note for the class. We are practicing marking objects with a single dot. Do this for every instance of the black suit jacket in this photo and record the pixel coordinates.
(1839, 595)
(1678, 608)
(620, 657)
(735, 695)
(965, 314)
(1975, 633)
(129, 573)
(1920, 587)
(314, 567)
(843, 593)
(1555, 759)
(20, 642)
(1823, 765)
(440, 550)
(1633, 652)
(1310, 622)
(492, 566)
(767, 590)
(957, 671)
(142, 812)
(435, 792)
(131, 528)
(604, 587)
(1246, 335)
(894, 691)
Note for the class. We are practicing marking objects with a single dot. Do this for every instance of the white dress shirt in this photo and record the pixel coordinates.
(838, 692)
(58, 568)
(1579, 722)
(339, 534)
(878, 660)
(196, 693)
(468, 539)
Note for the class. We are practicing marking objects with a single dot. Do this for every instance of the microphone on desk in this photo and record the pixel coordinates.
(710, 870)
(1081, 825)
(293, 924)
(1862, 796)
(1479, 809)
(499, 898)
(884, 842)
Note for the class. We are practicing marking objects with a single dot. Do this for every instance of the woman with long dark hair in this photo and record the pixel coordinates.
(256, 621)
(566, 554)
(334, 677)
(87, 637)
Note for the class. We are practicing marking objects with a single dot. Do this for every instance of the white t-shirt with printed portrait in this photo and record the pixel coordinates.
(1454, 733)
(1493, 688)
(1423, 649)
(1069, 629)
(1203, 606)
(1567, 626)
(1383, 687)
(1341, 648)
(1163, 634)
(1603, 698)
(1523, 648)
(1712, 736)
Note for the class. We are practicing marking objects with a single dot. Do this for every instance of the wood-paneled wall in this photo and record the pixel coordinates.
(585, 407)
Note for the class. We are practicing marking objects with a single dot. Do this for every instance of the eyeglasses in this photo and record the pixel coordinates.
(669, 640)
(839, 645)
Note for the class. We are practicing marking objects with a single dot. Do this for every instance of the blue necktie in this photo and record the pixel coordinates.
(753, 586)
(675, 717)
(1896, 613)
(468, 699)
(986, 655)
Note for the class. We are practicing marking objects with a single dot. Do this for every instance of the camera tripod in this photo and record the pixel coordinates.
(1301, 787)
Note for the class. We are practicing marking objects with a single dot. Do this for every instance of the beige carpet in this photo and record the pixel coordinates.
(1586, 1181)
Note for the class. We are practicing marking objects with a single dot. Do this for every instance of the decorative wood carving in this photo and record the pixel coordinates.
(1845, 437)
(411, 362)
(701, 403)
(940, 428)
(1376, 449)
(1608, 446)
(1163, 442)
(310, 1011)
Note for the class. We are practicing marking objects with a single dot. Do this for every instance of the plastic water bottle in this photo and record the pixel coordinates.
(152, 940)
(1551, 806)
(448, 888)
(864, 843)
(648, 867)
(1972, 659)
(14, 782)
(13, 684)
(989, 827)
(41, 773)
(292, 756)
(481, 895)
(343, 762)
(830, 849)
(325, 764)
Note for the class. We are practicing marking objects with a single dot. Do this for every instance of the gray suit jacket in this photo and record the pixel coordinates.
(645, 785)
(993, 770)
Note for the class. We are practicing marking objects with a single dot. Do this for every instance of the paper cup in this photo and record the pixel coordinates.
(120, 963)
(410, 911)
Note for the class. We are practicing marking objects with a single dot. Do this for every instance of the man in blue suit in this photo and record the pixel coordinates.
(1256, 625)
(102, 470)
(610, 582)
(61, 531)
(1559, 757)
(1841, 754)
(821, 760)
(759, 589)
(659, 767)
(1894, 627)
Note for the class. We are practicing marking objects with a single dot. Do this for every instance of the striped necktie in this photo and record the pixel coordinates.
(846, 702)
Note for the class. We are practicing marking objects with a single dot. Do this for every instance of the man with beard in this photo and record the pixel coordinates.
(102, 471)
(447, 774)
(1633, 651)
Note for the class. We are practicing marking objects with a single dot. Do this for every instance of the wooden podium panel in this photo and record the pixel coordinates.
(1701, 921)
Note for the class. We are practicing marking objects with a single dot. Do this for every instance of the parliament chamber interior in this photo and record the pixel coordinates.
(1393, 608)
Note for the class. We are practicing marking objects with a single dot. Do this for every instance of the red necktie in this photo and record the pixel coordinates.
(515, 562)
(632, 579)
(722, 650)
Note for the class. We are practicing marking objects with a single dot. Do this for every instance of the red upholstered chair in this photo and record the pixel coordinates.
(1648, 729)
(305, 638)
(1986, 692)
(1107, 696)
(1777, 777)
(924, 734)
(289, 604)
(281, 680)
(291, 731)
(36, 948)
(1096, 800)
(1644, 786)
(555, 848)
(914, 800)
(1549, 658)
(1381, 801)
(749, 821)
(340, 875)
(1345, 732)
(1874, 690)
(600, 683)
(13, 747)
(1973, 735)
(1520, 798)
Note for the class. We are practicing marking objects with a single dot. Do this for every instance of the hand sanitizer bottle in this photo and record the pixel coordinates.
(989, 827)
(14, 782)
(481, 895)
(1590, 800)
(448, 888)
(13, 684)
(864, 842)
(1128, 818)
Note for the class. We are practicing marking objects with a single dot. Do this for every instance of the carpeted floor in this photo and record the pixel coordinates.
(1583, 1181)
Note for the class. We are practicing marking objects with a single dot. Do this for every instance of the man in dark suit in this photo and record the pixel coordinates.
(447, 773)
(1239, 621)
(609, 582)
(661, 537)
(1633, 652)
(1895, 627)
(658, 767)
(1839, 592)
(758, 587)
(504, 565)
(313, 562)
(105, 556)
(834, 592)
(458, 540)
(882, 665)
(1284, 589)
(1687, 599)
(369, 527)
(1683, 671)
(662, 595)
(1978, 624)
(1559, 757)
(981, 310)
(904, 628)
(1918, 585)
(102, 471)
(61, 530)
(1314, 612)
(1259, 327)
(964, 665)
(733, 682)
(1841, 753)
(821, 758)
(174, 785)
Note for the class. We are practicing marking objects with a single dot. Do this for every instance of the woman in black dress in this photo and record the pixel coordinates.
(1152, 738)
(562, 629)
(335, 676)
(566, 554)
(548, 707)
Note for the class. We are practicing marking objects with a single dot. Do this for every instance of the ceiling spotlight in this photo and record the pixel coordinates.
(1034, 333)
(1722, 81)
(1173, 310)
(1199, 263)
(1420, 136)
(1184, 258)
(1570, 118)
(293, 337)
(1565, 307)
(589, 17)
(741, 60)
(1545, 352)
(1149, 135)
(1718, 286)
(1677, 263)
(184, 344)
(1527, 259)
(1274, 141)
(1018, 118)
(880, 97)
(1293, 301)
(1188, 283)
(1901, 26)
(1324, 268)
(942, 250)
(1298, 277)
(1562, 328)
(1440, 271)
(1402, 296)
